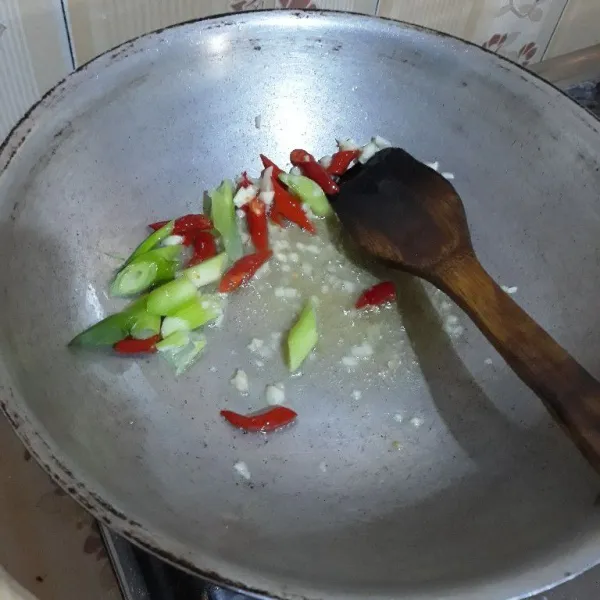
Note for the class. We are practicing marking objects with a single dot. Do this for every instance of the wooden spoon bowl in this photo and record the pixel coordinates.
(406, 214)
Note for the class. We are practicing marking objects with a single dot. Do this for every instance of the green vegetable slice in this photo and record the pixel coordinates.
(146, 270)
(196, 313)
(302, 337)
(308, 192)
(168, 298)
(224, 219)
(107, 332)
(179, 339)
(207, 271)
(152, 241)
(134, 278)
(184, 356)
(165, 253)
(145, 325)
(113, 328)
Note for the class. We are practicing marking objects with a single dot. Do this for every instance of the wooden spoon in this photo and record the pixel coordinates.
(401, 211)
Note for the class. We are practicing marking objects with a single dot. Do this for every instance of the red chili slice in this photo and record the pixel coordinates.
(341, 160)
(285, 206)
(243, 270)
(256, 216)
(380, 293)
(275, 217)
(204, 247)
(186, 223)
(245, 180)
(264, 421)
(313, 170)
(267, 162)
(132, 346)
(288, 207)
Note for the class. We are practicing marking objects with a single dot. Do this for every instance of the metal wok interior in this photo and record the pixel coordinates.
(487, 498)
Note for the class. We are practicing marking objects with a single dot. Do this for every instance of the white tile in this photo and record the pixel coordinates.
(578, 28)
(18, 85)
(47, 40)
(32, 56)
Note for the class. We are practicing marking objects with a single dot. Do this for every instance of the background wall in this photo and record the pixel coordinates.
(42, 40)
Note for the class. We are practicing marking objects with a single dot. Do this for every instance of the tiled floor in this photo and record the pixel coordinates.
(48, 543)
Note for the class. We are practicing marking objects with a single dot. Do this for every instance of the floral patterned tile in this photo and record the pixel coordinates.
(521, 29)
(517, 29)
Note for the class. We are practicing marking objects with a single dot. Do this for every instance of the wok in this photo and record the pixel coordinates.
(476, 494)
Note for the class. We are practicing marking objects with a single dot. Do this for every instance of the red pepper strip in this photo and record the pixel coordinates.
(378, 294)
(267, 162)
(288, 207)
(186, 223)
(204, 247)
(243, 270)
(341, 160)
(257, 224)
(245, 180)
(275, 216)
(285, 206)
(313, 170)
(264, 421)
(132, 346)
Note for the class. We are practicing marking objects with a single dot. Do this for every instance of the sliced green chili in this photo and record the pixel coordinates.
(308, 192)
(207, 271)
(155, 238)
(147, 270)
(303, 337)
(192, 315)
(168, 298)
(224, 219)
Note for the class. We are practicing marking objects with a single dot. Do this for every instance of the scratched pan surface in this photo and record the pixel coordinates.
(476, 494)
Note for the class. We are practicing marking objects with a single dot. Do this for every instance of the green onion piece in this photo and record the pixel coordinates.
(224, 219)
(144, 326)
(107, 332)
(174, 341)
(302, 337)
(134, 278)
(196, 313)
(166, 299)
(145, 271)
(207, 271)
(183, 357)
(308, 192)
(166, 253)
(152, 240)
(113, 328)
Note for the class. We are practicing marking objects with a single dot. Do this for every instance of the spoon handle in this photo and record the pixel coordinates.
(568, 391)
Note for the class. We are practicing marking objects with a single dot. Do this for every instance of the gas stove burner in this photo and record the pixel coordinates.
(212, 592)
(142, 576)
